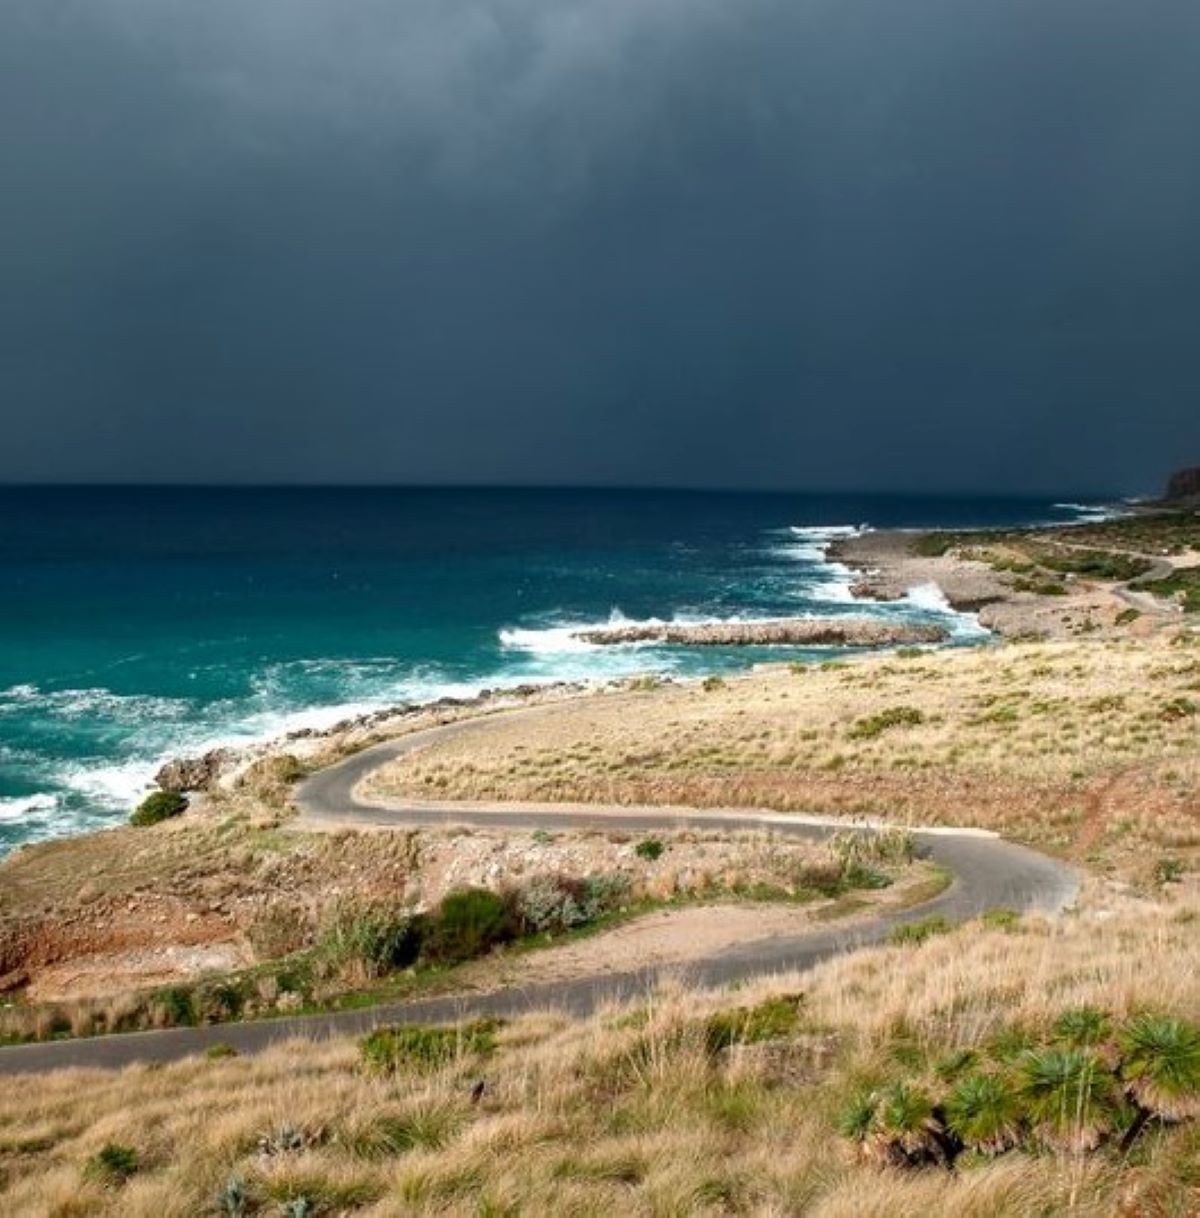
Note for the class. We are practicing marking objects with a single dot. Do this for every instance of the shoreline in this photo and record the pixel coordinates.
(880, 567)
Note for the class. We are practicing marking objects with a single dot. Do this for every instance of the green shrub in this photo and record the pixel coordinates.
(1168, 871)
(113, 1163)
(1001, 919)
(1095, 564)
(1183, 585)
(427, 1047)
(1180, 708)
(220, 1051)
(711, 684)
(893, 716)
(469, 922)
(177, 1005)
(934, 545)
(160, 806)
(549, 904)
(771, 1019)
(649, 849)
(866, 878)
(911, 933)
(602, 894)
(1127, 615)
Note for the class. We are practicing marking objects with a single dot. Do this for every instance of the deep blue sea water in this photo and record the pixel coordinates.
(136, 624)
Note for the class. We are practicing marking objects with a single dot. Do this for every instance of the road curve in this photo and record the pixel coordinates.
(988, 874)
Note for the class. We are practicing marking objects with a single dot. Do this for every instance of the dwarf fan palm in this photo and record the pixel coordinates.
(985, 1113)
(1083, 1027)
(906, 1129)
(1070, 1097)
(1160, 1068)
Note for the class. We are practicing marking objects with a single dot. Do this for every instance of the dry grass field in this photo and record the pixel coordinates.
(631, 1111)
(1088, 749)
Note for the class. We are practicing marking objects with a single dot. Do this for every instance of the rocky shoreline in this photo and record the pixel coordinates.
(887, 569)
(795, 632)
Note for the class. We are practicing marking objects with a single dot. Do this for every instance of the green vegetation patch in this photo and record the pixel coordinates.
(894, 716)
(913, 933)
(160, 806)
(1183, 585)
(113, 1163)
(773, 1019)
(1084, 1082)
(424, 1047)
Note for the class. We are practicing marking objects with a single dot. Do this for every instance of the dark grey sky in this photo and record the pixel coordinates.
(862, 243)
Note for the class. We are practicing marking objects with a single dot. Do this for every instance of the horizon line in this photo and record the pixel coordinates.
(610, 488)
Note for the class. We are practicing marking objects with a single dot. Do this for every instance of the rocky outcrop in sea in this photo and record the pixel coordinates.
(793, 632)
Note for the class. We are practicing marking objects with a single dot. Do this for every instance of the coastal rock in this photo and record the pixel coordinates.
(193, 773)
(1184, 484)
(795, 632)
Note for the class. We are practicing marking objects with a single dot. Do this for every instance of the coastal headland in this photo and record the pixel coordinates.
(798, 827)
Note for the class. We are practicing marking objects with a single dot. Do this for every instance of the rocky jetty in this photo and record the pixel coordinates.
(793, 632)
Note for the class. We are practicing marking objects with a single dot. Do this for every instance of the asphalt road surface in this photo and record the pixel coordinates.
(988, 874)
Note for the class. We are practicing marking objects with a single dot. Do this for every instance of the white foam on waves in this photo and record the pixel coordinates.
(22, 809)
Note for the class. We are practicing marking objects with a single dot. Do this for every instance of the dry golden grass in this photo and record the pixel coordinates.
(626, 1112)
(1090, 749)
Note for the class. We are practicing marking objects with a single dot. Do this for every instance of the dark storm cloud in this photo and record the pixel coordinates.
(749, 242)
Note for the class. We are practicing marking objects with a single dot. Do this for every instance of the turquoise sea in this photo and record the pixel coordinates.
(137, 624)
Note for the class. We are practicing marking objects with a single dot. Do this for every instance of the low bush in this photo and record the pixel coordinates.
(113, 1163)
(468, 922)
(160, 806)
(427, 1047)
(911, 933)
(551, 904)
(649, 849)
(1001, 919)
(1168, 871)
(772, 1019)
(893, 716)
(174, 1007)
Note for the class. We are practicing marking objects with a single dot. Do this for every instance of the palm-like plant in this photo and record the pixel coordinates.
(1070, 1097)
(1160, 1069)
(895, 1125)
(906, 1130)
(984, 1111)
(1083, 1027)
(857, 1119)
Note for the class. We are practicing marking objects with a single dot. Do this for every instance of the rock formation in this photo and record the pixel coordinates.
(194, 773)
(1184, 484)
(794, 632)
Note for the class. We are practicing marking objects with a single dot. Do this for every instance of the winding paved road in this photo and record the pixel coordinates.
(988, 873)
